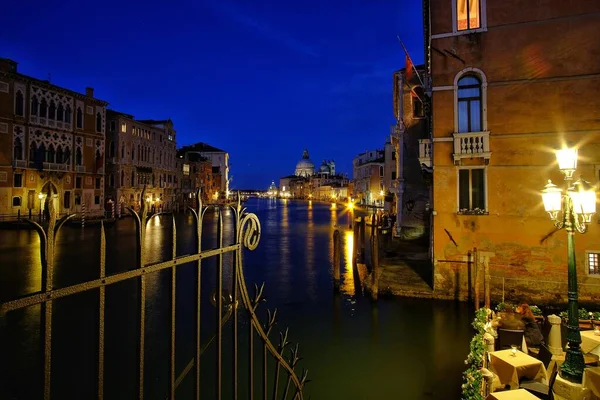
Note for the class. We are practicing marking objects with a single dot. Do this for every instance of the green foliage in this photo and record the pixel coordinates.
(505, 307)
(535, 310)
(596, 316)
(472, 377)
(583, 313)
(563, 314)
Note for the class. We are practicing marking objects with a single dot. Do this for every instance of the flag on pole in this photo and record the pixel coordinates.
(411, 72)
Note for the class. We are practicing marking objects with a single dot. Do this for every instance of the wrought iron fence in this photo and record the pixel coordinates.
(285, 382)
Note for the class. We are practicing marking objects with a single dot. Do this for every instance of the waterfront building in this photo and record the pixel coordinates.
(140, 153)
(272, 192)
(219, 160)
(194, 172)
(507, 89)
(52, 140)
(367, 175)
(411, 155)
(294, 186)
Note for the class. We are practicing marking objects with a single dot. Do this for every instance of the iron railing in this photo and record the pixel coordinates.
(247, 232)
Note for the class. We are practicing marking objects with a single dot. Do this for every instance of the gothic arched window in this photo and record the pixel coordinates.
(32, 151)
(50, 154)
(43, 108)
(98, 122)
(59, 155)
(19, 104)
(79, 118)
(68, 114)
(78, 156)
(18, 149)
(34, 105)
(60, 113)
(52, 110)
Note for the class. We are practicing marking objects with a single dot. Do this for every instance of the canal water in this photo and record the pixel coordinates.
(397, 348)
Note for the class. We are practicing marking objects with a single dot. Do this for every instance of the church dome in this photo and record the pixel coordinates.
(305, 167)
(324, 169)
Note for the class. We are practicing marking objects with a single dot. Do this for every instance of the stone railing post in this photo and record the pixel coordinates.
(554, 339)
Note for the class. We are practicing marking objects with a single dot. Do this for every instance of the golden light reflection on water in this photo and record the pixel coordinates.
(284, 269)
(347, 284)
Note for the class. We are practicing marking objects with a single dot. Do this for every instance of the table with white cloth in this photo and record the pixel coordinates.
(589, 342)
(591, 381)
(511, 368)
(519, 394)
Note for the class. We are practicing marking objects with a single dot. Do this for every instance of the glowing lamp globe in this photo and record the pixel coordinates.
(583, 196)
(552, 195)
(567, 161)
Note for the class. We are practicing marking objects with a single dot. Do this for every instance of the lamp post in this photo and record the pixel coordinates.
(571, 210)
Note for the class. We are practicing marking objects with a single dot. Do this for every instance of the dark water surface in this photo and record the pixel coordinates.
(353, 349)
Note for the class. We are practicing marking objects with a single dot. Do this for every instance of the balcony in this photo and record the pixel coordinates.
(425, 152)
(55, 167)
(80, 168)
(472, 145)
(19, 164)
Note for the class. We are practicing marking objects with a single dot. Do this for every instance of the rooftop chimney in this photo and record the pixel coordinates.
(89, 91)
(8, 65)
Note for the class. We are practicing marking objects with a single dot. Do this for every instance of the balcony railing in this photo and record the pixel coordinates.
(472, 145)
(19, 164)
(80, 168)
(55, 167)
(425, 152)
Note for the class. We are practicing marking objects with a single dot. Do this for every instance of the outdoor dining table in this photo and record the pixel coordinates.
(591, 381)
(519, 394)
(510, 368)
(589, 341)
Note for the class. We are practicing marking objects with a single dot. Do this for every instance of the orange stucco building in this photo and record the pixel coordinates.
(510, 81)
(51, 141)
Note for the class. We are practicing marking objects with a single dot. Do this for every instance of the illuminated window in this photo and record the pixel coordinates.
(468, 14)
(469, 104)
(593, 262)
(123, 127)
(471, 191)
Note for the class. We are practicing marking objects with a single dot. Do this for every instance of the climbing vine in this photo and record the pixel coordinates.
(472, 377)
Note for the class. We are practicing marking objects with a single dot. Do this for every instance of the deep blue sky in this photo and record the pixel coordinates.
(262, 79)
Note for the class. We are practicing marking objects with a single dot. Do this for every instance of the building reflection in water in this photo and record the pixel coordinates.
(284, 248)
(311, 275)
(347, 275)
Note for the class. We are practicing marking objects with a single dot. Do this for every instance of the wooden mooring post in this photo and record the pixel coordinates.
(374, 259)
(337, 264)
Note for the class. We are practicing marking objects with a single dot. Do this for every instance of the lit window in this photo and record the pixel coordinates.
(469, 104)
(593, 260)
(123, 127)
(471, 191)
(468, 14)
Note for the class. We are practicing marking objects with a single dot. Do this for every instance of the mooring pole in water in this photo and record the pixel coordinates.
(336, 259)
(362, 240)
(355, 244)
(375, 262)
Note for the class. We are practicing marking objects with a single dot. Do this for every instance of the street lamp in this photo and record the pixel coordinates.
(577, 205)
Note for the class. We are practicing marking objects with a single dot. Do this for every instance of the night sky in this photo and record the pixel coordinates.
(259, 79)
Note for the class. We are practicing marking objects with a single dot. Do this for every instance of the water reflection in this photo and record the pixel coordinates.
(310, 254)
(347, 285)
(284, 247)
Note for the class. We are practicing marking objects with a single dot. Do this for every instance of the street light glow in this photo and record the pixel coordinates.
(567, 161)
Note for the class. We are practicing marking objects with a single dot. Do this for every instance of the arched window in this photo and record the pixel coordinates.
(41, 155)
(79, 118)
(99, 162)
(59, 155)
(50, 154)
(68, 114)
(469, 104)
(19, 104)
(98, 122)
(123, 150)
(122, 178)
(34, 105)
(133, 152)
(52, 110)
(60, 113)
(78, 157)
(18, 149)
(32, 151)
(132, 178)
(67, 155)
(111, 149)
(139, 153)
(111, 180)
(43, 108)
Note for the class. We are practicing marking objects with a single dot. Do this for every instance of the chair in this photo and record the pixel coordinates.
(509, 337)
(540, 389)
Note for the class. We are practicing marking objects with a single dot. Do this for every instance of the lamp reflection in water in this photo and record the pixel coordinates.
(310, 256)
(347, 284)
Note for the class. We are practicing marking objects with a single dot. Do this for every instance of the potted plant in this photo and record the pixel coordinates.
(537, 313)
(585, 319)
(505, 307)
